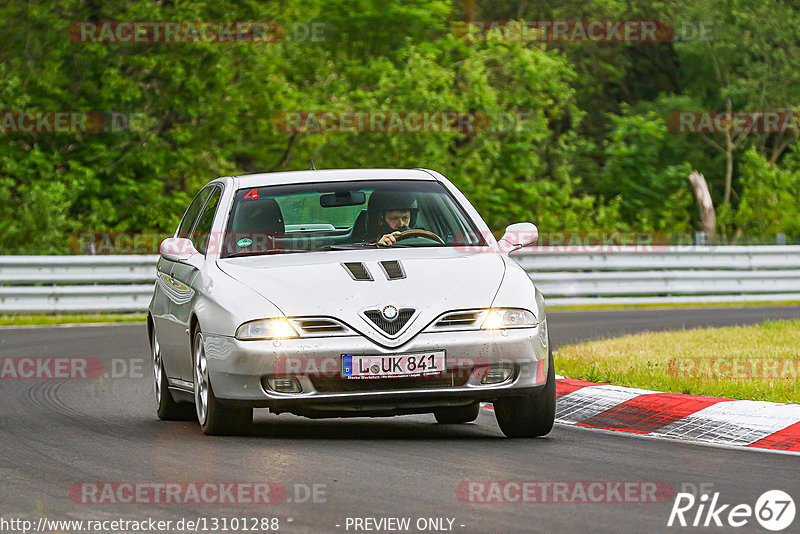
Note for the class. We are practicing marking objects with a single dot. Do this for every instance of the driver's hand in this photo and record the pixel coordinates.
(389, 239)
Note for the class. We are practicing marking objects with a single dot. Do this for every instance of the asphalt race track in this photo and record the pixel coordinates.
(58, 433)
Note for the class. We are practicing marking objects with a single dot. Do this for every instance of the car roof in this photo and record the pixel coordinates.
(330, 175)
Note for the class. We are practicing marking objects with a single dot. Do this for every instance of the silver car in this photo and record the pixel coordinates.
(337, 293)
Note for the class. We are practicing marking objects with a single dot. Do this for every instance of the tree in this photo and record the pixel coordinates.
(644, 166)
(751, 63)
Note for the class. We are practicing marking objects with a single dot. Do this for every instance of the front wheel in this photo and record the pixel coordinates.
(215, 419)
(530, 416)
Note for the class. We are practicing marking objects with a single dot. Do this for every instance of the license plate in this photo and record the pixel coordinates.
(395, 365)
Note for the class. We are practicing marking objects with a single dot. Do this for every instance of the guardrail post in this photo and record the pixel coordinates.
(700, 239)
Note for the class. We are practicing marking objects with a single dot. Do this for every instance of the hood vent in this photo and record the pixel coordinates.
(393, 270)
(357, 271)
(390, 327)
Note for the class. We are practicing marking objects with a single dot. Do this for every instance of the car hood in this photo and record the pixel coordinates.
(318, 284)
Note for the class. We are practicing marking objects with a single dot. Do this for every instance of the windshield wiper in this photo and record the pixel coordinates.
(266, 252)
(355, 246)
(348, 246)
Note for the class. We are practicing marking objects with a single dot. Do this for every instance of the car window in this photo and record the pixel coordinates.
(189, 218)
(311, 217)
(305, 209)
(202, 229)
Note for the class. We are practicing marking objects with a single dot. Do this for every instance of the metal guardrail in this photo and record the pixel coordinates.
(72, 284)
(631, 275)
(76, 284)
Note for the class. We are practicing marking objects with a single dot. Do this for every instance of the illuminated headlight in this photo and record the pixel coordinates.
(266, 329)
(499, 318)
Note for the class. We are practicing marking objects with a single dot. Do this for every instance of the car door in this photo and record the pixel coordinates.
(185, 277)
(160, 307)
(171, 334)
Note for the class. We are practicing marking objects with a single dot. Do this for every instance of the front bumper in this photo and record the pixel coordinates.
(238, 371)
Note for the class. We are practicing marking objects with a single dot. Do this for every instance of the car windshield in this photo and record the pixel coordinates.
(345, 215)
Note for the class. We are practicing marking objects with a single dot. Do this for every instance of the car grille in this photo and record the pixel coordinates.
(390, 327)
(452, 378)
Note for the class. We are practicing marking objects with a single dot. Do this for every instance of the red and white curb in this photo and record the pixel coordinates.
(765, 425)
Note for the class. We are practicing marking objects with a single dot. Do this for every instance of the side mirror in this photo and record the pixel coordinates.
(177, 249)
(519, 235)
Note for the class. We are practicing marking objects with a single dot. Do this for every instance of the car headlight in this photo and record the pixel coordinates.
(266, 329)
(499, 318)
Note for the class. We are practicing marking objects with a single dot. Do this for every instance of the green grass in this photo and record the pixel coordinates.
(46, 319)
(675, 305)
(760, 362)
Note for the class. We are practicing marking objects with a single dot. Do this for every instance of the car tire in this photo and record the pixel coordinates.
(456, 415)
(166, 407)
(215, 418)
(530, 416)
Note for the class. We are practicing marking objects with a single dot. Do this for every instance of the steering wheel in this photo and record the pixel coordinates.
(415, 232)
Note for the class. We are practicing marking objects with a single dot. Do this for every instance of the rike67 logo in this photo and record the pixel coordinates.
(774, 510)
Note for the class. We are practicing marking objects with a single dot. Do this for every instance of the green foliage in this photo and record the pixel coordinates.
(770, 198)
(644, 167)
(577, 139)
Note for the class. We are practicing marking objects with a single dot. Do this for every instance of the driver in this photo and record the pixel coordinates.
(389, 213)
